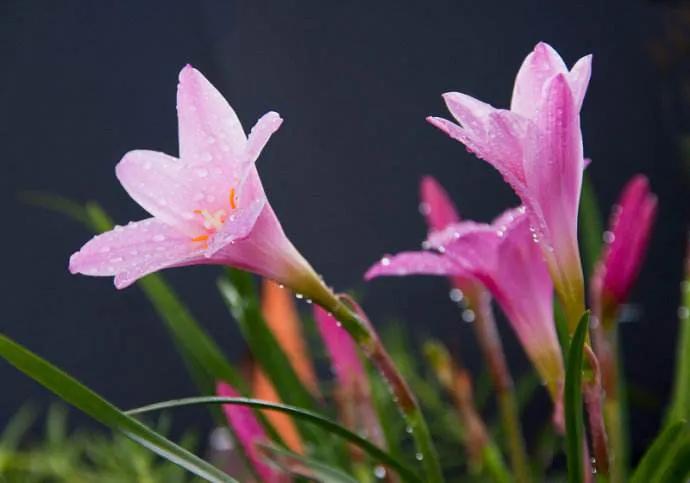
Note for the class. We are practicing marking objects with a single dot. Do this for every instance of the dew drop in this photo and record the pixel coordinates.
(202, 173)
(380, 472)
(408, 429)
(609, 237)
(456, 295)
(385, 261)
(299, 296)
(424, 208)
(468, 315)
(683, 313)
(419, 456)
(159, 238)
(105, 249)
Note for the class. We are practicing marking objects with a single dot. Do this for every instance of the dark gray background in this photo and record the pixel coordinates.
(84, 82)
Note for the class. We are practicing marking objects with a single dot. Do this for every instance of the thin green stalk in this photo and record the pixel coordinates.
(365, 336)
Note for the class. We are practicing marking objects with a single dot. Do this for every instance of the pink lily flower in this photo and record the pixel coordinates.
(249, 432)
(537, 148)
(504, 258)
(208, 206)
(353, 393)
(626, 244)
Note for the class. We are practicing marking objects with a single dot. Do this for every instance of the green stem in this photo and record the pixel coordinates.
(367, 339)
(492, 350)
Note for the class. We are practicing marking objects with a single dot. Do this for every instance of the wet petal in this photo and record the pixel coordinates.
(261, 133)
(135, 250)
(208, 127)
(578, 79)
(414, 263)
(538, 67)
(436, 205)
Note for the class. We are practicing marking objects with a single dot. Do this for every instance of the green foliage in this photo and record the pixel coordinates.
(78, 395)
(572, 396)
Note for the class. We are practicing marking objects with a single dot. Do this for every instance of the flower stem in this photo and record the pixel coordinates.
(606, 347)
(367, 339)
(492, 350)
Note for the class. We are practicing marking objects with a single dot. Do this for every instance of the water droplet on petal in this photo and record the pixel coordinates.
(456, 295)
(159, 238)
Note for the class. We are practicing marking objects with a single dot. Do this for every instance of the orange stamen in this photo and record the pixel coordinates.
(200, 238)
(233, 205)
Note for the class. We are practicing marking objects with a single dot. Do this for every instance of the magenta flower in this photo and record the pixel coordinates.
(504, 258)
(626, 243)
(208, 206)
(249, 432)
(537, 148)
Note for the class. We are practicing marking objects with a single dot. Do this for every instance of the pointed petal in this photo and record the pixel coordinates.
(208, 127)
(553, 168)
(436, 205)
(249, 432)
(280, 312)
(261, 133)
(578, 79)
(467, 232)
(538, 67)
(468, 111)
(133, 251)
(414, 263)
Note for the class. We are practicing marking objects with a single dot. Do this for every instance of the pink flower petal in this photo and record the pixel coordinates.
(578, 79)
(135, 250)
(208, 127)
(538, 67)
(469, 112)
(554, 164)
(261, 133)
(436, 205)
(249, 432)
(414, 263)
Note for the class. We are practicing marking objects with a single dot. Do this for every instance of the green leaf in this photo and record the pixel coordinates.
(591, 226)
(98, 408)
(573, 403)
(653, 460)
(680, 401)
(324, 423)
(301, 466)
(677, 464)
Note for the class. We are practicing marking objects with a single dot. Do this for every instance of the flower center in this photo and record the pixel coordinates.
(215, 221)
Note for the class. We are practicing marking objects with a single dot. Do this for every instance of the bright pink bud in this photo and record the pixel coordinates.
(625, 247)
(249, 432)
(537, 148)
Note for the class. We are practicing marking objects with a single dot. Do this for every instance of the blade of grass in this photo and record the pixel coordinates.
(680, 401)
(326, 424)
(573, 403)
(81, 397)
(654, 457)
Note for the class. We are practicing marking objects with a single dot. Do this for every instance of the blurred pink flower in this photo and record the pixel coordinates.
(504, 258)
(352, 390)
(625, 246)
(249, 432)
(537, 148)
(208, 206)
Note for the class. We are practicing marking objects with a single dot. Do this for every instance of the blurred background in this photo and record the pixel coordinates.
(84, 82)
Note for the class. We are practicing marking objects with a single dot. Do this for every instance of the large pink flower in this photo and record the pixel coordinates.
(249, 432)
(208, 206)
(504, 258)
(537, 148)
(626, 244)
